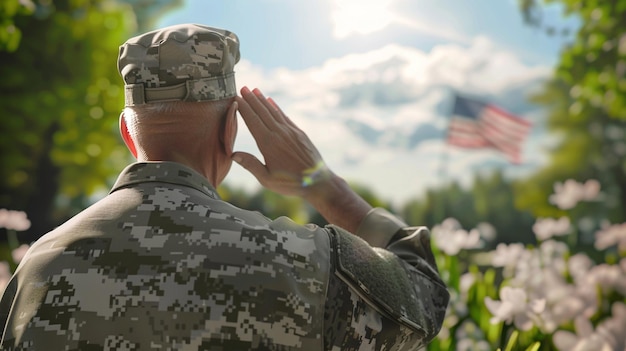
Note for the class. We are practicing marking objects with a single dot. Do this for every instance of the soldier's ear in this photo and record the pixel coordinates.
(130, 144)
(229, 133)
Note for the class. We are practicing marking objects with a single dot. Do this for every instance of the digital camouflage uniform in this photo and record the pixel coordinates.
(162, 263)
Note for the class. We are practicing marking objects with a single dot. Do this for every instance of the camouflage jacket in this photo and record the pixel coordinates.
(162, 263)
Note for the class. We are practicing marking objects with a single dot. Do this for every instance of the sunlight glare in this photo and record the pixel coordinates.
(360, 16)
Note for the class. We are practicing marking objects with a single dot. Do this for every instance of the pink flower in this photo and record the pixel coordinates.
(608, 336)
(606, 277)
(547, 227)
(611, 235)
(579, 265)
(514, 307)
(507, 255)
(451, 238)
(15, 220)
(568, 194)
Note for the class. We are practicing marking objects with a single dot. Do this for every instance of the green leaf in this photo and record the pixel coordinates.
(512, 341)
(534, 347)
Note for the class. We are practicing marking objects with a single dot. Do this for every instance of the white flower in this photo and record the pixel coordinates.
(607, 277)
(15, 220)
(608, 336)
(564, 302)
(545, 298)
(567, 195)
(472, 345)
(538, 269)
(578, 266)
(487, 231)
(545, 228)
(470, 338)
(451, 238)
(612, 329)
(566, 341)
(528, 270)
(514, 307)
(508, 257)
(466, 281)
(552, 255)
(19, 253)
(611, 235)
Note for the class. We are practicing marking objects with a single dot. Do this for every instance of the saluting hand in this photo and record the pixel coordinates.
(292, 163)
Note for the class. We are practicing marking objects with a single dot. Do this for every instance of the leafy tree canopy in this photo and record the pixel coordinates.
(10, 35)
(586, 104)
(61, 96)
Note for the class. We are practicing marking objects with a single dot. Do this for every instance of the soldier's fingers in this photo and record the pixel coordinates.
(252, 120)
(252, 164)
(277, 115)
(259, 108)
(287, 119)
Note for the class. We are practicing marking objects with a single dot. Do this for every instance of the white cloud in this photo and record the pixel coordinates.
(429, 28)
(379, 117)
(359, 16)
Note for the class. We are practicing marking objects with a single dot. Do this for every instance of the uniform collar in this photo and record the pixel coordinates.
(163, 172)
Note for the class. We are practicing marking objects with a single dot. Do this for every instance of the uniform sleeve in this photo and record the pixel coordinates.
(379, 227)
(385, 277)
(5, 308)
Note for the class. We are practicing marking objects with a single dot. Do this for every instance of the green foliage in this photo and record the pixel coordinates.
(491, 199)
(266, 202)
(10, 35)
(61, 95)
(586, 102)
(274, 205)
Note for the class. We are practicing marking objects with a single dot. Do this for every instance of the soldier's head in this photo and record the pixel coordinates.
(179, 83)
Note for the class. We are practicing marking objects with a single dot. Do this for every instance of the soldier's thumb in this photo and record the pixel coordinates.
(251, 164)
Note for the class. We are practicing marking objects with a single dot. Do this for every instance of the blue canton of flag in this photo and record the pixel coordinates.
(475, 124)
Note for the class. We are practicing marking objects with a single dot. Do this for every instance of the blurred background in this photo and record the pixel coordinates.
(375, 86)
(373, 83)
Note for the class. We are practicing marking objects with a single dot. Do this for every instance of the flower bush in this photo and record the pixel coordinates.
(546, 296)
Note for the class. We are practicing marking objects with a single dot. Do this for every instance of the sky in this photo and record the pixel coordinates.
(372, 82)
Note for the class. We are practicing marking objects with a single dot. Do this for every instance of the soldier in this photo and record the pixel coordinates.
(163, 263)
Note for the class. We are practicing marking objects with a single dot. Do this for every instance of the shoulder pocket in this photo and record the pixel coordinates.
(392, 286)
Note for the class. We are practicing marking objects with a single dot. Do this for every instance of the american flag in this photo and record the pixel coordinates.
(476, 124)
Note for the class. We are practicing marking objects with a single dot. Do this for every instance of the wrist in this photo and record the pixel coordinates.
(333, 198)
(324, 188)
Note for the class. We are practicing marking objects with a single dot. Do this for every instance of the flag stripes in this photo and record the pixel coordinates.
(475, 124)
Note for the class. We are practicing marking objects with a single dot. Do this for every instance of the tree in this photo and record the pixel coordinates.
(491, 199)
(273, 205)
(586, 103)
(61, 95)
(10, 35)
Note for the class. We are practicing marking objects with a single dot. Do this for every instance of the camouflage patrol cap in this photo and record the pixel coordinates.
(186, 62)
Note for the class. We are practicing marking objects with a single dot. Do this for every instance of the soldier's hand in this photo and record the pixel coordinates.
(292, 163)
